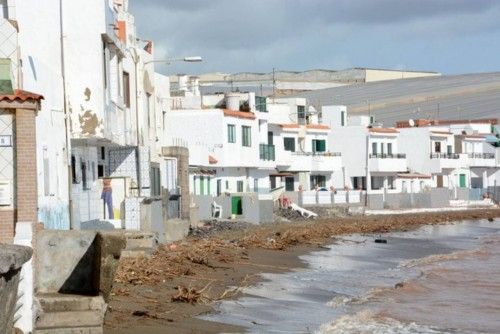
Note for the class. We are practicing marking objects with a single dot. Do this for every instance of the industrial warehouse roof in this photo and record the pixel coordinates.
(467, 96)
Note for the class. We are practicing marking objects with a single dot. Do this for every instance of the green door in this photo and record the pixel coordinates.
(462, 181)
(236, 206)
(202, 185)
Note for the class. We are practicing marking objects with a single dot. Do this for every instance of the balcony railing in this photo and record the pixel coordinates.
(388, 156)
(323, 154)
(482, 155)
(445, 156)
(267, 152)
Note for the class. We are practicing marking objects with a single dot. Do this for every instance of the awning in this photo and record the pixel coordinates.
(492, 139)
(281, 174)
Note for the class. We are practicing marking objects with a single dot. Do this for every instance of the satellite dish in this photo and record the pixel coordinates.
(411, 123)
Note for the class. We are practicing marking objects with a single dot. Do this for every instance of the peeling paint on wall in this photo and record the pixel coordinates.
(87, 94)
(54, 217)
(89, 123)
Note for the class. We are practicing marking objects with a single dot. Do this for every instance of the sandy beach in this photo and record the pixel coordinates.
(166, 292)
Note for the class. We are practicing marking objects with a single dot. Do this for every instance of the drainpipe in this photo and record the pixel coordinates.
(137, 150)
(66, 118)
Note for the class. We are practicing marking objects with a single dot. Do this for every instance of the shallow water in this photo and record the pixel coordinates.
(448, 281)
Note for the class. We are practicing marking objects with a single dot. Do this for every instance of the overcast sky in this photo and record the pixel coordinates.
(448, 36)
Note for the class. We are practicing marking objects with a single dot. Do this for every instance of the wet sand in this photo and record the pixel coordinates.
(217, 265)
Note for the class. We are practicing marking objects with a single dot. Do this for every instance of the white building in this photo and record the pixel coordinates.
(228, 152)
(102, 115)
(459, 154)
(303, 158)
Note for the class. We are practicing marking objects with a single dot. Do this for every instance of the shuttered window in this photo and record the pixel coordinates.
(319, 145)
(246, 136)
(231, 133)
(289, 144)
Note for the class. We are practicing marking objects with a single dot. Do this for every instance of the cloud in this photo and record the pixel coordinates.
(244, 35)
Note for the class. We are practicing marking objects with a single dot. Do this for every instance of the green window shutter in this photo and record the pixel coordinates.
(246, 136)
(289, 144)
(322, 145)
(231, 133)
(315, 145)
(342, 118)
(208, 186)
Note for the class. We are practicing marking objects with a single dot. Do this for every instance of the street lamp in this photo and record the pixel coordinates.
(192, 59)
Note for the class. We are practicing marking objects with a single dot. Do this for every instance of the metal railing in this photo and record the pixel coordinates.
(482, 155)
(323, 154)
(387, 156)
(267, 152)
(445, 156)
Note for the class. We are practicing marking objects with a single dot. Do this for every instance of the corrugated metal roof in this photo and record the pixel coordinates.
(467, 96)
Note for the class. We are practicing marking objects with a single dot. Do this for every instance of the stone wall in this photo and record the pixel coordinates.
(12, 259)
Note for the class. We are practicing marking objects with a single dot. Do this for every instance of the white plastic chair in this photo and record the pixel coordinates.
(216, 210)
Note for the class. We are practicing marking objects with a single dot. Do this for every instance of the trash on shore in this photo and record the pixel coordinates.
(191, 295)
(380, 241)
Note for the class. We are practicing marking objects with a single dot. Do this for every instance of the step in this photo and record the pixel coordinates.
(74, 319)
(137, 252)
(140, 242)
(71, 330)
(64, 303)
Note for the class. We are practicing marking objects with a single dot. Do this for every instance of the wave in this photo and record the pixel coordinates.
(367, 322)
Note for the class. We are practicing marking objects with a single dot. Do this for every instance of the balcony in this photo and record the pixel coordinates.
(315, 161)
(481, 159)
(442, 161)
(267, 152)
(388, 162)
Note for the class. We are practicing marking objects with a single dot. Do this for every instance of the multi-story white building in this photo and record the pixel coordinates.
(227, 151)
(458, 153)
(103, 113)
(303, 158)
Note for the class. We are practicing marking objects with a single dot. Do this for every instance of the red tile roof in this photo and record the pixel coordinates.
(212, 160)
(318, 127)
(383, 130)
(21, 95)
(238, 114)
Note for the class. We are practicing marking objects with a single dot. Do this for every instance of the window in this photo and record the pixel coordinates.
(260, 103)
(103, 153)
(227, 185)
(246, 136)
(389, 148)
(319, 145)
(372, 119)
(390, 182)
(256, 185)
(301, 114)
(83, 167)
(449, 149)
(73, 170)
(318, 180)
(126, 89)
(342, 118)
(437, 147)
(219, 187)
(289, 183)
(155, 179)
(104, 65)
(359, 183)
(270, 140)
(100, 170)
(374, 148)
(231, 133)
(239, 186)
(289, 144)
(382, 148)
